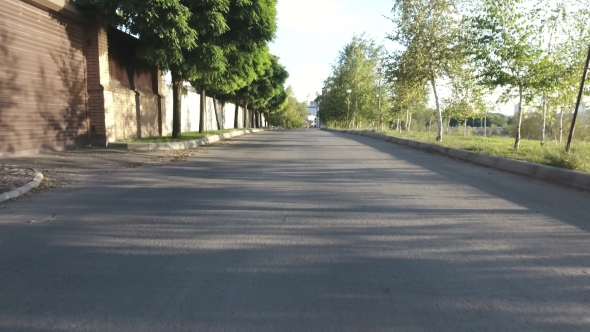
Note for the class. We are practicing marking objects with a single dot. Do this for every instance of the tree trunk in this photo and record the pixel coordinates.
(410, 123)
(429, 124)
(237, 113)
(407, 124)
(397, 128)
(519, 123)
(177, 82)
(216, 114)
(485, 126)
(561, 126)
(203, 110)
(465, 128)
(544, 121)
(439, 120)
(245, 114)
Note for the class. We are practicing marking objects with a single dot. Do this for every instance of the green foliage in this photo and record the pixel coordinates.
(409, 94)
(164, 26)
(429, 32)
(228, 61)
(217, 45)
(356, 69)
(507, 49)
(467, 97)
(531, 49)
(267, 93)
(292, 114)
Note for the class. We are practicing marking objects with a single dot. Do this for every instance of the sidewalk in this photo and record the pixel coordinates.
(73, 167)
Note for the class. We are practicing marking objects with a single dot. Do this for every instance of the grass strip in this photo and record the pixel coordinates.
(552, 154)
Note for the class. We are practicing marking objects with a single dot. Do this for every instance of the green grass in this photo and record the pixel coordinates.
(185, 136)
(552, 154)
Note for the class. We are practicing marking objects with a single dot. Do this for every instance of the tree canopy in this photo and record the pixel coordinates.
(217, 45)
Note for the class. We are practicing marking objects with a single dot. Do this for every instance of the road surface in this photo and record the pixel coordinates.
(299, 231)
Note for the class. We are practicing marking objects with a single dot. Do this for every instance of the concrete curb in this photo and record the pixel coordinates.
(24, 189)
(562, 176)
(181, 145)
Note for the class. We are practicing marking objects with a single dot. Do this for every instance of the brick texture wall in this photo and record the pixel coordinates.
(118, 113)
(97, 62)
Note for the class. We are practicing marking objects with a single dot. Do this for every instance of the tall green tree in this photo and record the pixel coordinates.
(565, 23)
(355, 70)
(291, 114)
(242, 49)
(243, 67)
(507, 49)
(174, 36)
(409, 93)
(429, 32)
(268, 86)
(192, 39)
(467, 96)
(267, 92)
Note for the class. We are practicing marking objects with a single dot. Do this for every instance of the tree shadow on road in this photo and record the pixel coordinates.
(249, 244)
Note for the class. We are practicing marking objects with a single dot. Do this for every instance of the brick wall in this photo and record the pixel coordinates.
(118, 112)
(97, 62)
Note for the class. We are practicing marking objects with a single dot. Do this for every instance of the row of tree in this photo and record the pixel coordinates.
(531, 50)
(219, 46)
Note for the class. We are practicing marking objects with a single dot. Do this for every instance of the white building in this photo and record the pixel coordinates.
(312, 110)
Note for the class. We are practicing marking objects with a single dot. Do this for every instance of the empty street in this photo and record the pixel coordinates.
(302, 230)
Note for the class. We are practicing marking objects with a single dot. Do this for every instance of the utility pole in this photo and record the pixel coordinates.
(580, 94)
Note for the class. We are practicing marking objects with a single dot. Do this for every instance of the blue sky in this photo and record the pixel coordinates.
(311, 32)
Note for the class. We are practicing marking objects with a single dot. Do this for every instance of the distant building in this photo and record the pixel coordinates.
(312, 110)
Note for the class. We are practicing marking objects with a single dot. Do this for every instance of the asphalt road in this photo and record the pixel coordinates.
(299, 231)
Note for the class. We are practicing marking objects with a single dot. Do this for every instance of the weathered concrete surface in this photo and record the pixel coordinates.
(299, 231)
